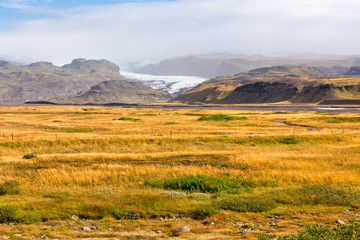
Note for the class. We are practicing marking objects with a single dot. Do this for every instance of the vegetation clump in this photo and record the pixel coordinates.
(205, 210)
(205, 184)
(10, 187)
(220, 117)
(334, 121)
(29, 156)
(8, 214)
(316, 194)
(318, 232)
(247, 204)
(127, 119)
(74, 130)
(289, 140)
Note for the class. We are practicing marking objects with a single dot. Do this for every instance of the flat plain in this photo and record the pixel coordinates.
(85, 172)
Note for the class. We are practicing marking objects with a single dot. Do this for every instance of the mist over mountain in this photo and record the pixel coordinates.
(214, 65)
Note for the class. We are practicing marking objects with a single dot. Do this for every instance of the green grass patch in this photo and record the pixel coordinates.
(171, 123)
(334, 121)
(247, 204)
(8, 214)
(205, 184)
(29, 156)
(289, 140)
(57, 121)
(57, 194)
(149, 114)
(74, 130)
(220, 117)
(127, 119)
(315, 195)
(205, 210)
(318, 232)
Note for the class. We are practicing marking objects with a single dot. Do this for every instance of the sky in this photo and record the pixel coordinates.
(152, 30)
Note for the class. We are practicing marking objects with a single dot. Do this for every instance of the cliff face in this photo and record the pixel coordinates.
(19, 83)
(291, 84)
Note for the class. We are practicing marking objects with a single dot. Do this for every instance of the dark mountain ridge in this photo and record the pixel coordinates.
(291, 84)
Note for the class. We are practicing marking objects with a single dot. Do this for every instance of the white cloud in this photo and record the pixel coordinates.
(155, 30)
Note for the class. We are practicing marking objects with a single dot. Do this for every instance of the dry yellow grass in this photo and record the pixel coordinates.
(82, 150)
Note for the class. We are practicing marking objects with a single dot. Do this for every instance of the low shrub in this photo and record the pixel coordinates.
(204, 211)
(289, 140)
(8, 214)
(170, 123)
(29, 156)
(29, 218)
(247, 204)
(10, 187)
(127, 119)
(220, 117)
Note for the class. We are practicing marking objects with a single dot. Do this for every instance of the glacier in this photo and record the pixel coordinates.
(171, 84)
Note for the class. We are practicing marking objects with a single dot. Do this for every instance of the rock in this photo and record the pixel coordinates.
(86, 228)
(5, 237)
(212, 223)
(183, 229)
(17, 235)
(74, 217)
(339, 222)
(158, 231)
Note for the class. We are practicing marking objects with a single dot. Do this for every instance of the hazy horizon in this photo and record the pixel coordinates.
(150, 30)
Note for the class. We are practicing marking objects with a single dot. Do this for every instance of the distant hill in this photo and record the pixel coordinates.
(354, 70)
(117, 91)
(20, 83)
(210, 66)
(291, 84)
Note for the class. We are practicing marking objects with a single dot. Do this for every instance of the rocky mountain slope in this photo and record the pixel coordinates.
(210, 66)
(117, 91)
(291, 84)
(20, 83)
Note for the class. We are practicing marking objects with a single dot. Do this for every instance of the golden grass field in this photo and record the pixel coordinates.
(86, 162)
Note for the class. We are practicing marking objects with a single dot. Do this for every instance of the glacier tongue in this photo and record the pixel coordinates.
(171, 84)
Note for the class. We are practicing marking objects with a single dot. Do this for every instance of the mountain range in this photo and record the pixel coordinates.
(214, 65)
(287, 84)
(99, 81)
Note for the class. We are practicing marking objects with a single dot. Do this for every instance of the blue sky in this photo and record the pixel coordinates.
(12, 11)
(128, 31)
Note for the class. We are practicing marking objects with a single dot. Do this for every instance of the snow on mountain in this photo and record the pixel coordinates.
(171, 84)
